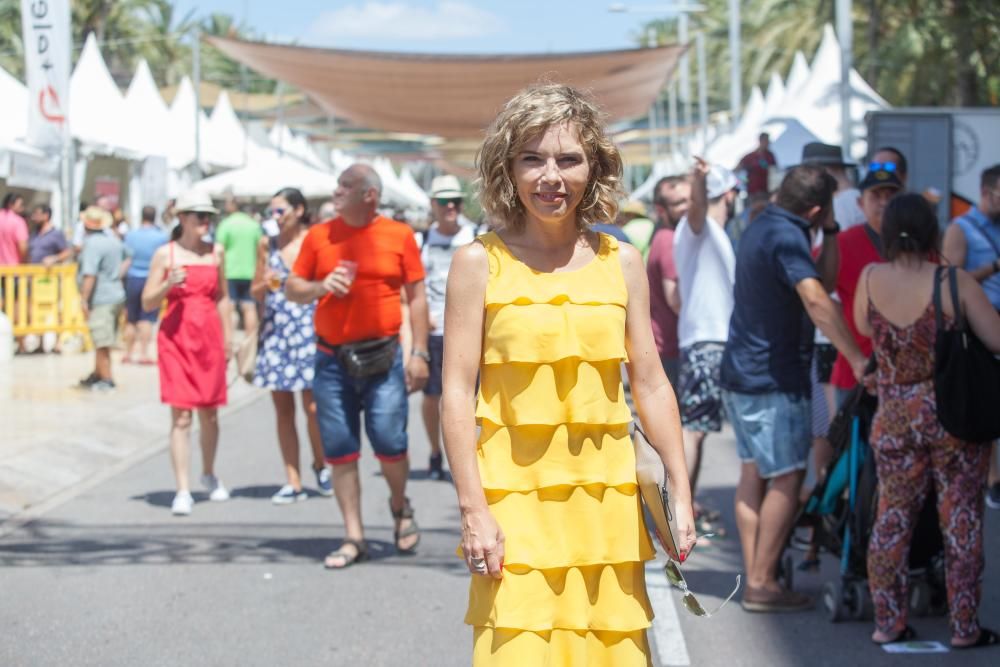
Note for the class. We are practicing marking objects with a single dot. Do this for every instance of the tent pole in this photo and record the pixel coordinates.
(672, 114)
(682, 30)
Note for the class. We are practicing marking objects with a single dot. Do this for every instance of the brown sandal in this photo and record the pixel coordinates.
(361, 555)
(406, 512)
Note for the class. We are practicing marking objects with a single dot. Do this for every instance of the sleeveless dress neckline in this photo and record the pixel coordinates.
(606, 242)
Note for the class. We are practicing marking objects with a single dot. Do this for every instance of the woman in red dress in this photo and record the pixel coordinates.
(193, 341)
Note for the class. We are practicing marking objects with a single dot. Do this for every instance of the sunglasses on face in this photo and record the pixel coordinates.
(676, 578)
(443, 201)
(882, 166)
(203, 217)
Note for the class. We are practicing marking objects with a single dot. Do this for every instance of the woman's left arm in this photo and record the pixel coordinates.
(654, 397)
(222, 303)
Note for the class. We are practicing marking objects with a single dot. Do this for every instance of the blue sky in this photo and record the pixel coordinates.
(447, 26)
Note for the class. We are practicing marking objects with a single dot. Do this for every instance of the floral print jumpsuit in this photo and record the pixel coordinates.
(912, 451)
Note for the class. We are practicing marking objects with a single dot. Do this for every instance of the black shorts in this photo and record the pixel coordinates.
(435, 346)
(825, 355)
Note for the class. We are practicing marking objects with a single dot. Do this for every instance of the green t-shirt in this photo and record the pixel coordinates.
(239, 235)
(640, 232)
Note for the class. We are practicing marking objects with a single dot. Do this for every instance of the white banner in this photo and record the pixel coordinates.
(47, 42)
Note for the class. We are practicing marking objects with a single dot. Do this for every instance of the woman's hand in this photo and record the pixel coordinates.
(686, 536)
(482, 540)
(176, 276)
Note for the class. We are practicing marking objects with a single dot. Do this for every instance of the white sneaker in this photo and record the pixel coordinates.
(287, 495)
(183, 502)
(216, 490)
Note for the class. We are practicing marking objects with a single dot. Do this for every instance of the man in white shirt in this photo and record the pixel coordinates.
(445, 235)
(706, 266)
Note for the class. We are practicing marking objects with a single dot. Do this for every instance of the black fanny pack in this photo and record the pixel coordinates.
(366, 358)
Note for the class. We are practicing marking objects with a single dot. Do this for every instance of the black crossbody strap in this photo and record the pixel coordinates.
(956, 304)
(938, 311)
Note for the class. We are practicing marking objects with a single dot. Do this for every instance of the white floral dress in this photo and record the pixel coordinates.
(287, 350)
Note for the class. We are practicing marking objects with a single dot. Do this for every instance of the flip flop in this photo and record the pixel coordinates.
(406, 512)
(986, 638)
(350, 559)
(908, 634)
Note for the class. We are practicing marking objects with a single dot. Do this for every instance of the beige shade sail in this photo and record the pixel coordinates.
(452, 96)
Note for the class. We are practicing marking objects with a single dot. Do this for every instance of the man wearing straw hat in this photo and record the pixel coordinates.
(101, 293)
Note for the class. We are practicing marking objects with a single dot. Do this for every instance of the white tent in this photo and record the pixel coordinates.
(723, 150)
(816, 105)
(775, 96)
(267, 172)
(298, 146)
(14, 118)
(182, 115)
(413, 189)
(145, 108)
(797, 77)
(97, 110)
(671, 165)
(226, 142)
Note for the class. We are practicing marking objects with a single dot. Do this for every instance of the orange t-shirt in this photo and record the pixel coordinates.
(387, 257)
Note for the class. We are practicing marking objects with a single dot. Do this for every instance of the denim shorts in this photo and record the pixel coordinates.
(435, 346)
(239, 291)
(772, 430)
(340, 400)
(133, 302)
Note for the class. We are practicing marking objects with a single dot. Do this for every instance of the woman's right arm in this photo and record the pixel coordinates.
(156, 287)
(982, 316)
(464, 314)
(258, 286)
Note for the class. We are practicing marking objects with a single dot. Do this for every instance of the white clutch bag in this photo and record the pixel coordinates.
(652, 479)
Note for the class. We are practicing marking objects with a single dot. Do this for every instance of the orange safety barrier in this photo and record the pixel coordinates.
(38, 299)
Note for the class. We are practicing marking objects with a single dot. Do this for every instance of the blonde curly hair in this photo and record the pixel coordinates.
(526, 116)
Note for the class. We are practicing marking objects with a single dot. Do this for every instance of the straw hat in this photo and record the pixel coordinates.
(195, 202)
(96, 218)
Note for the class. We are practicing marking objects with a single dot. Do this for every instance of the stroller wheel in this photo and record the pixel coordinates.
(860, 601)
(833, 601)
(920, 598)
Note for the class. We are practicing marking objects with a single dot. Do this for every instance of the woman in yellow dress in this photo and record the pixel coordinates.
(543, 311)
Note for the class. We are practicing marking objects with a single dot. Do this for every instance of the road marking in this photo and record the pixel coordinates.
(671, 650)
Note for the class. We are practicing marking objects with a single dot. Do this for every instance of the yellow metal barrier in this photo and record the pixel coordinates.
(38, 299)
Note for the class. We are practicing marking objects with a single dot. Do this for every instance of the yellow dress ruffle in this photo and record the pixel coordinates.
(558, 469)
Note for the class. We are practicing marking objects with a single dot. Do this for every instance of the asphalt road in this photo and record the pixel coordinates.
(111, 578)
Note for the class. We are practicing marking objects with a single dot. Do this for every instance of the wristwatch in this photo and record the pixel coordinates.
(831, 231)
(423, 354)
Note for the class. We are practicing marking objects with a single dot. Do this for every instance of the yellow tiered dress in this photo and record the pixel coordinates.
(558, 468)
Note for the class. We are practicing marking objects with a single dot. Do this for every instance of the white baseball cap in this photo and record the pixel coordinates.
(720, 181)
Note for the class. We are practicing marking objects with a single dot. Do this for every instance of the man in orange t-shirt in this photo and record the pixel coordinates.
(354, 267)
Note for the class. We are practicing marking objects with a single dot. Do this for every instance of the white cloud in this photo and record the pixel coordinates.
(448, 19)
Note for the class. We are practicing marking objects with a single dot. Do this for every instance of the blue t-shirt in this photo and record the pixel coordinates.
(770, 335)
(979, 231)
(140, 244)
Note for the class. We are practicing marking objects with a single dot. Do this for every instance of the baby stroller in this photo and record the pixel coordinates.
(842, 510)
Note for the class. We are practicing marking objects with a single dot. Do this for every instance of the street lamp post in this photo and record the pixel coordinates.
(845, 35)
(735, 82)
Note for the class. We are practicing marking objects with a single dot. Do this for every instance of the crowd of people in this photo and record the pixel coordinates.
(515, 331)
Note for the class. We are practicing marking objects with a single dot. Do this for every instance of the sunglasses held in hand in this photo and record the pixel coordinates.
(653, 490)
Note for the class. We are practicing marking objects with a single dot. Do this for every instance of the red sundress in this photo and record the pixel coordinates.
(190, 344)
